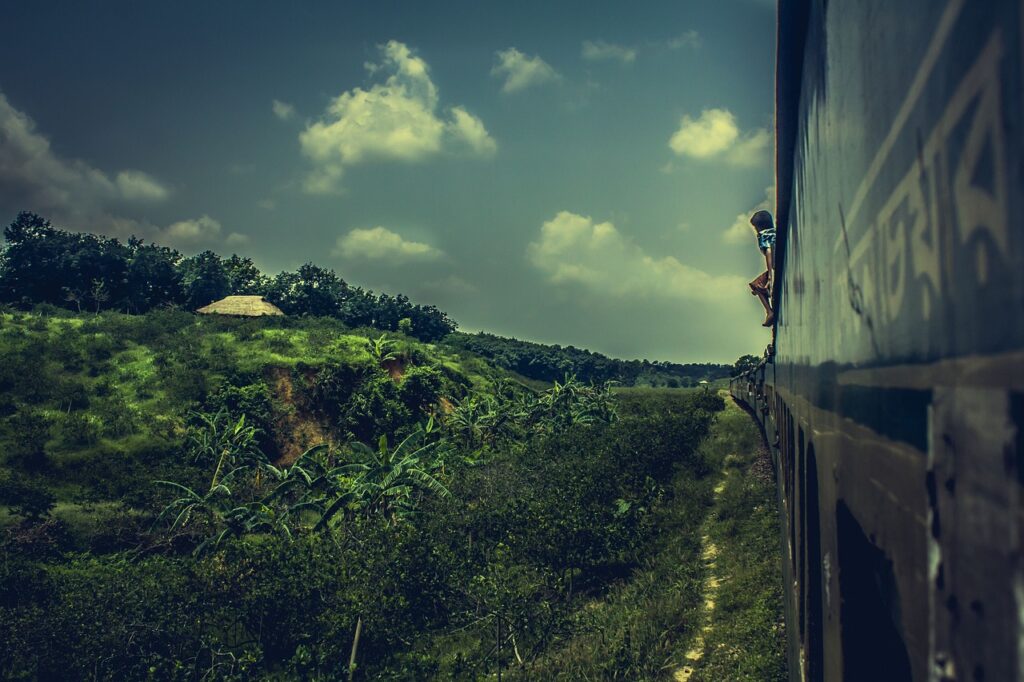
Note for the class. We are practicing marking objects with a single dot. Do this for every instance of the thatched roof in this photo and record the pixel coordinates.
(243, 306)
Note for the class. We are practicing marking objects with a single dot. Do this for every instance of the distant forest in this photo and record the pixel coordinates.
(551, 363)
(44, 265)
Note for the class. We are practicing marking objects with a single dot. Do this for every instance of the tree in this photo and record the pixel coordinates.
(204, 280)
(152, 278)
(744, 364)
(244, 278)
(312, 290)
(42, 264)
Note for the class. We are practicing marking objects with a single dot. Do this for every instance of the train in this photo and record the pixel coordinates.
(892, 394)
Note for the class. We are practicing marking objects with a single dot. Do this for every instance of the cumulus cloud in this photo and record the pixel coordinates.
(573, 248)
(688, 38)
(598, 50)
(194, 232)
(237, 239)
(396, 120)
(75, 195)
(466, 128)
(715, 135)
(740, 232)
(521, 71)
(282, 110)
(33, 176)
(136, 185)
(380, 243)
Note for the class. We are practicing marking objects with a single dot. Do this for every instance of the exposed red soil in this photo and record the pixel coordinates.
(395, 369)
(296, 429)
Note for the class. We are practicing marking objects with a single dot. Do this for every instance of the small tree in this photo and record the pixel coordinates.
(744, 365)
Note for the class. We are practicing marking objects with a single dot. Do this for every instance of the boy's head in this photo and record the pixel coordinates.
(762, 220)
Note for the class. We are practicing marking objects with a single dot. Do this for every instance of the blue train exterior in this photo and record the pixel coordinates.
(895, 398)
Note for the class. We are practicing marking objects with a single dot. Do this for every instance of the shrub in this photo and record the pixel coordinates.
(25, 497)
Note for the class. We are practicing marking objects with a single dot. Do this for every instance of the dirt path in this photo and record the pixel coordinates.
(711, 584)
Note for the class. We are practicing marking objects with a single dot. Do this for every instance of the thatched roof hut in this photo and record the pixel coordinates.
(242, 306)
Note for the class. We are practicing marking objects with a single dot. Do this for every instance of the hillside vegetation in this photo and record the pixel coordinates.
(190, 496)
(42, 265)
(352, 491)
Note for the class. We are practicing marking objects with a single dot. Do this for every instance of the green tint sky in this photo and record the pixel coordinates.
(566, 172)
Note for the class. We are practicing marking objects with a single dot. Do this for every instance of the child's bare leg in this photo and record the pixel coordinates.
(769, 262)
(763, 297)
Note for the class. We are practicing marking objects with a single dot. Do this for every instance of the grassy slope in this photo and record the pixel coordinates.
(99, 385)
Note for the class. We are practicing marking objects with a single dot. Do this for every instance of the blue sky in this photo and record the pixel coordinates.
(570, 172)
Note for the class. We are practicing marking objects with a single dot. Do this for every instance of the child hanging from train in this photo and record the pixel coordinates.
(764, 229)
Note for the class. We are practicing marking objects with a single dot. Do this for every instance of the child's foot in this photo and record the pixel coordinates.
(769, 320)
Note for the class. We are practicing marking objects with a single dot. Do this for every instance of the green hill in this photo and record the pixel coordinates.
(187, 496)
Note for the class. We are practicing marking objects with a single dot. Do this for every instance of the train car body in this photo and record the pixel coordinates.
(894, 401)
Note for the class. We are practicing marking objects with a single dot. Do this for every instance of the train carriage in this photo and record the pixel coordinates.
(894, 398)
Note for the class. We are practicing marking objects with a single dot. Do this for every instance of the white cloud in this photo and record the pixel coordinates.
(396, 120)
(598, 50)
(282, 110)
(381, 243)
(521, 71)
(741, 232)
(136, 185)
(237, 239)
(715, 135)
(77, 196)
(195, 232)
(467, 128)
(574, 249)
(34, 177)
(688, 38)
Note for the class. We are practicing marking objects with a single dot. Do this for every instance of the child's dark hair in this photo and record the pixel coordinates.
(762, 220)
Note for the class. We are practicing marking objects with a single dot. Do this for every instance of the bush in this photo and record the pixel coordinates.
(25, 497)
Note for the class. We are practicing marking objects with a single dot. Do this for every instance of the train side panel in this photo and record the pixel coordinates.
(895, 397)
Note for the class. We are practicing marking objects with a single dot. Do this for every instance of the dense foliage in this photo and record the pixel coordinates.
(78, 271)
(193, 497)
(548, 363)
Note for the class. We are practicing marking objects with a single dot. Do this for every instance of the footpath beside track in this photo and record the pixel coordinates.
(741, 633)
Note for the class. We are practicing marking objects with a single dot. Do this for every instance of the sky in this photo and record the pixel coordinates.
(572, 172)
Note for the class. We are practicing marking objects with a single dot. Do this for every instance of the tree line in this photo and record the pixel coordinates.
(81, 271)
(551, 363)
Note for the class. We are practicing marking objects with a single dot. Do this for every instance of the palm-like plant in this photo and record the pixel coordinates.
(226, 442)
(468, 420)
(572, 402)
(385, 479)
(381, 349)
(212, 512)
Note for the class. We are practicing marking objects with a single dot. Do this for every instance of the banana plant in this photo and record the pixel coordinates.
(468, 420)
(229, 444)
(385, 480)
(381, 349)
(212, 511)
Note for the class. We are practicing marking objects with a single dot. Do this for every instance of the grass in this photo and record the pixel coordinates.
(745, 638)
(638, 630)
(646, 627)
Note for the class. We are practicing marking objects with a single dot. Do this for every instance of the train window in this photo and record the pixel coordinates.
(873, 647)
